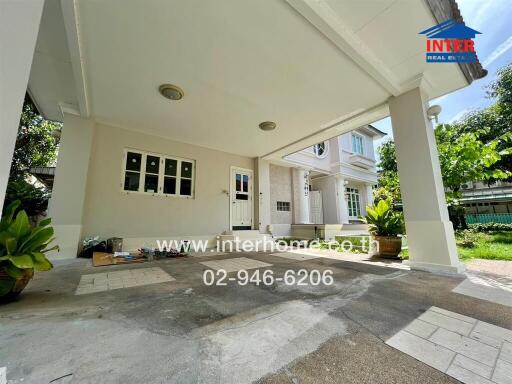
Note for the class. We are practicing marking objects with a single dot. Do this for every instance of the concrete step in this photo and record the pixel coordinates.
(251, 239)
(354, 227)
(245, 234)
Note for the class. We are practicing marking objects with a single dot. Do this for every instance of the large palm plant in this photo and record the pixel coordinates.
(383, 221)
(22, 249)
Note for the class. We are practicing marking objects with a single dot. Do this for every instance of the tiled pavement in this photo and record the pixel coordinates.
(490, 289)
(294, 256)
(105, 281)
(467, 349)
(236, 264)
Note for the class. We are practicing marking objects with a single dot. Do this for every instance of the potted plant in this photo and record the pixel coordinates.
(385, 225)
(22, 250)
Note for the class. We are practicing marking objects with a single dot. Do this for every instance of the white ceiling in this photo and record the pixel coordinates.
(239, 62)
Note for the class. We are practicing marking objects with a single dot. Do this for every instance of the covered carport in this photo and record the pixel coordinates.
(317, 68)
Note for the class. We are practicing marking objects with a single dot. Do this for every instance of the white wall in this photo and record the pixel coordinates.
(110, 212)
(281, 190)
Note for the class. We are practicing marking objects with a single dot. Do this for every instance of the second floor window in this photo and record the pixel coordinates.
(357, 144)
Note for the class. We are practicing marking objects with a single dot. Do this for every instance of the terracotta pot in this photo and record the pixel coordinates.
(389, 246)
(19, 284)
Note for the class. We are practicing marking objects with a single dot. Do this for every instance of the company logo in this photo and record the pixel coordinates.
(450, 42)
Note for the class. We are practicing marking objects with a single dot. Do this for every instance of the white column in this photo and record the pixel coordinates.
(19, 26)
(300, 178)
(262, 191)
(429, 230)
(341, 201)
(69, 188)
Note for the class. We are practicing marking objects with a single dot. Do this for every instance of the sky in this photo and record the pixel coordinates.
(493, 18)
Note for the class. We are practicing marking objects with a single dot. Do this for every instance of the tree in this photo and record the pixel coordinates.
(389, 184)
(497, 118)
(36, 146)
(465, 156)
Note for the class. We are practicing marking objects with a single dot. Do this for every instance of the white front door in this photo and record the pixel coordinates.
(241, 198)
(315, 207)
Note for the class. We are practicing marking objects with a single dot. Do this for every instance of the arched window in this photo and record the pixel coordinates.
(321, 149)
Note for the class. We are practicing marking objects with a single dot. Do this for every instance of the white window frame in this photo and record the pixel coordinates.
(359, 136)
(326, 150)
(280, 205)
(355, 195)
(161, 174)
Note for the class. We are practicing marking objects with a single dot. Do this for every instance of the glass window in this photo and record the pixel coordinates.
(186, 169)
(283, 206)
(151, 183)
(131, 181)
(320, 149)
(171, 166)
(132, 171)
(353, 202)
(357, 144)
(245, 183)
(186, 187)
(133, 161)
(170, 185)
(152, 164)
(238, 179)
(160, 175)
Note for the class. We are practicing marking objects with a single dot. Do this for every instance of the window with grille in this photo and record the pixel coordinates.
(158, 174)
(283, 206)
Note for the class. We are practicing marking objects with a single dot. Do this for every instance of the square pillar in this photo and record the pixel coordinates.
(262, 191)
(429, 231)
(341, 201)
(69, 188)
(19, 27)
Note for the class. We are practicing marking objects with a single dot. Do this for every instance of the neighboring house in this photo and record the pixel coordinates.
(481, 198)
(328, 183)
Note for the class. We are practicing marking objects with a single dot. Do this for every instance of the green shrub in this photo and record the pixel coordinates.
(468, 238)
(491, 227)
(22, 246)
(33, 200)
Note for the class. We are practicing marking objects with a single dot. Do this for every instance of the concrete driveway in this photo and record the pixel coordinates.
(159, 323)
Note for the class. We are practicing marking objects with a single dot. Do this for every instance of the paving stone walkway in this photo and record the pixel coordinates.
(105, 281)
(236, 264)
(467, 349)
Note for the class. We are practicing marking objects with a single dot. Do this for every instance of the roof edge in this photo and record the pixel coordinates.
(443, 10)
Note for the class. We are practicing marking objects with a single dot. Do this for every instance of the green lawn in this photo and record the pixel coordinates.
(494, 246)
(470, 245)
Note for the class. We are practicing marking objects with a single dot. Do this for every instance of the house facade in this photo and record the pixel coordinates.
(328, 183)
(175, 116)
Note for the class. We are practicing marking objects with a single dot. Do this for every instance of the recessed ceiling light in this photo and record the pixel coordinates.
(267, 126)
(171, 92)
